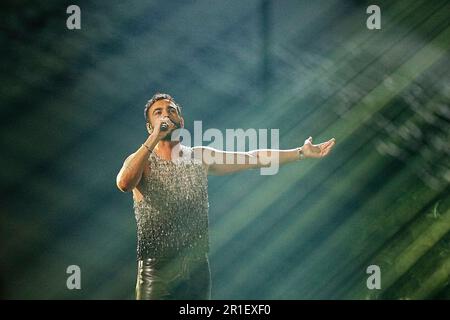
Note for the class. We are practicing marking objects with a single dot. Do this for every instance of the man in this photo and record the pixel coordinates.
(170, 199)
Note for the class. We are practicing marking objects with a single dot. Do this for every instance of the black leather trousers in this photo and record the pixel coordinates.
(180, 278)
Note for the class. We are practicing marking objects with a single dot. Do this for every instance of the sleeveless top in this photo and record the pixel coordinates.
(172, 217)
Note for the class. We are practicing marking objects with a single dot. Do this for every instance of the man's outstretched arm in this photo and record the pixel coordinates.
(226, 162)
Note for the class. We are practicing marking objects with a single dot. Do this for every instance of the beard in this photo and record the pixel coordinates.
(168, 137)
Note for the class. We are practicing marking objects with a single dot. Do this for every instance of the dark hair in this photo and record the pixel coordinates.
(156, 97)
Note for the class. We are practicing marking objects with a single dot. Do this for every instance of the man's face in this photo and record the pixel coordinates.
(165, 108)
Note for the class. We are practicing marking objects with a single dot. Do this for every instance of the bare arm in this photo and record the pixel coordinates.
(131, 172)
(224, 162)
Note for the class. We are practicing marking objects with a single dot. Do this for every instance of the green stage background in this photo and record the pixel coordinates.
(72, 110)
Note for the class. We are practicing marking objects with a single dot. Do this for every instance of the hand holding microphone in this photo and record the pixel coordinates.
(163, 127)
(166, 124)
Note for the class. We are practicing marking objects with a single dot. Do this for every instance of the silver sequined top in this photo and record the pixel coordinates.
(172, 218)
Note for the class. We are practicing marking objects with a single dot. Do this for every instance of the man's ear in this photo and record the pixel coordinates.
(182, 122)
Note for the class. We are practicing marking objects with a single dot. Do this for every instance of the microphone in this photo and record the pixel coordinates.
(164, 126)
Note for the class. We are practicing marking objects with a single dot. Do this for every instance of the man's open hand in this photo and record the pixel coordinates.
(317, 150)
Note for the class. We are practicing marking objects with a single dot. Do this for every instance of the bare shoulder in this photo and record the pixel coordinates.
(204, 154)
(128, 159)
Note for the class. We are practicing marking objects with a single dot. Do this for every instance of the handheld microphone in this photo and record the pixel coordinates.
(164, 126)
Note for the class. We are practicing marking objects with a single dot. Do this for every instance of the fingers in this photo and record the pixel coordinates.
(330, 142)
(322, 149)
(333, 140)
(328, 147)
(159, 121)
(169, 122)
(324, 145)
